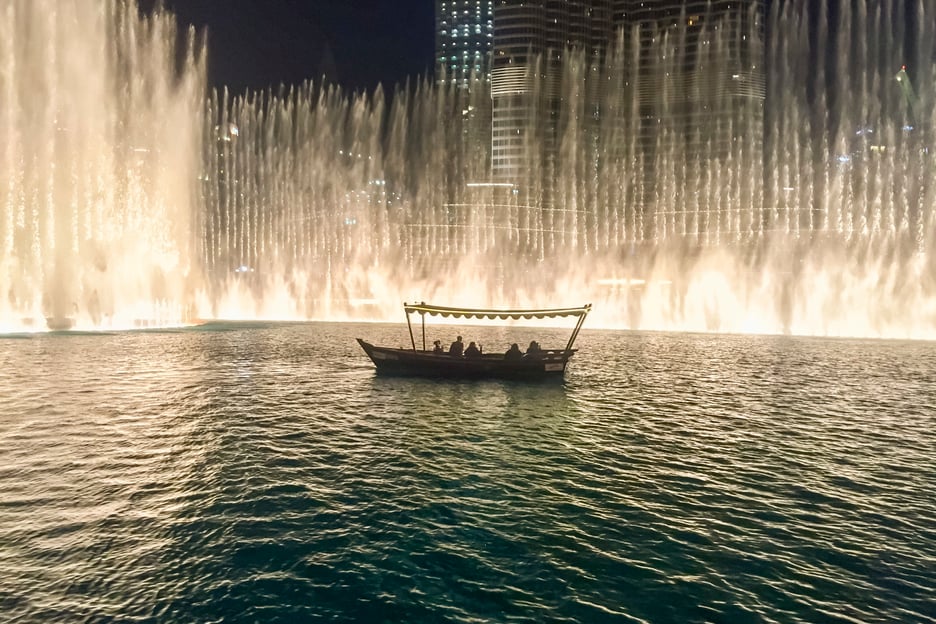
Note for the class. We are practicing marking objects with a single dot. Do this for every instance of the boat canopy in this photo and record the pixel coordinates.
(424, 309)
(432, 310)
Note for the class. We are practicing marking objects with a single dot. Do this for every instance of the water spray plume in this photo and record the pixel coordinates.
(130, 196)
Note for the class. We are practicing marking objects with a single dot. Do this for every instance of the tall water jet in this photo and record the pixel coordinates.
(100, 122)
(325, 204)
(316, 200)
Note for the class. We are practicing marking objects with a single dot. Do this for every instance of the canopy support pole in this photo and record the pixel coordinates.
(408, 324)
(578, 326)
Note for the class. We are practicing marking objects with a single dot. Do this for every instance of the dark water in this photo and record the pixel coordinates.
(262, 473)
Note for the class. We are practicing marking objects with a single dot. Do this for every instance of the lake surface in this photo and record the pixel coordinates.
(263, 473)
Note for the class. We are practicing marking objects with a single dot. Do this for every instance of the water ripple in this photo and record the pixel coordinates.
(264, 473)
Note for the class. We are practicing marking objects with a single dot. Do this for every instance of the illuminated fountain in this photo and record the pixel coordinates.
(100, 117)
(323, 205)
(317, 201)
(127, 200)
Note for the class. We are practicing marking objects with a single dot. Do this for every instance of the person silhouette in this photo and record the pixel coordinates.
(437, 347)
(513, 353)
(457, 347)
(472, 351)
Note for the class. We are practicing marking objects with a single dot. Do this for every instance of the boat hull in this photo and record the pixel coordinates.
(410, 363)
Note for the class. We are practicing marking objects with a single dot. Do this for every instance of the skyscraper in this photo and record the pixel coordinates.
(530, 40)
(464, 36)
(700, 88)
(661, 100)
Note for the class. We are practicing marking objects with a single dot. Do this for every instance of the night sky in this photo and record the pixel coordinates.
(253, 44)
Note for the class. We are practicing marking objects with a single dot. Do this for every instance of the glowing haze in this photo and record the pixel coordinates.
(100, 116)
(127, 199)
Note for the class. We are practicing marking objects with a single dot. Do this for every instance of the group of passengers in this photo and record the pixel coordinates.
(533, 352)
(458, 349)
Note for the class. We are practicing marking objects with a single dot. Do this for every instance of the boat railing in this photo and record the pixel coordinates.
(544, 354)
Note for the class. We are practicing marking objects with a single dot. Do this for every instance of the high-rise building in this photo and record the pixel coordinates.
(666, 93)
(715, 52)
(530, 39)
(700, 88)
(464, 37)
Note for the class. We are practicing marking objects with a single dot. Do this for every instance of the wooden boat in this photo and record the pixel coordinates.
(423, 362)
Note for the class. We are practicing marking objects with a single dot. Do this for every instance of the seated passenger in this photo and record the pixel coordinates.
(437, 347)
(472, 350)
(457, 347)
(514, 352)
(533, 351)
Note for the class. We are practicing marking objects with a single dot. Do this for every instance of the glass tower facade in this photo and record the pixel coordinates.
(464, 37)
(668, 94)
(530, 39)
(698, 72)
(698, 62)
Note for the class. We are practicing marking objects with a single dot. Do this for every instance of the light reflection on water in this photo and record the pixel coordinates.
(262, 471)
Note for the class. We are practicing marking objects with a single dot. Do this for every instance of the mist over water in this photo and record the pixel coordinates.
(131, 196)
